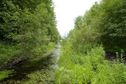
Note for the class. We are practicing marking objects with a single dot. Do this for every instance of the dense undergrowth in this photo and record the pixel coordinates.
(97, 35)
(90, 68)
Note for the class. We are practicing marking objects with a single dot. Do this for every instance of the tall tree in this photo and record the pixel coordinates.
(27, 24)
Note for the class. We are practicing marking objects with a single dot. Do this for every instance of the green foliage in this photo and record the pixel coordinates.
(7, 52)
(82, 60)
(42, 77)
(114, 25)
(91, 68)
(103, 24)
(26, 27)
(4, 74)
(27, 30)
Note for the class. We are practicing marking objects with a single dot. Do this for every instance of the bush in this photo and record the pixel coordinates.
(91, 68)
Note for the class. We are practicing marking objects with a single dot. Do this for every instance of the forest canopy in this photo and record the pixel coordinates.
(27, 27)
(103, 24)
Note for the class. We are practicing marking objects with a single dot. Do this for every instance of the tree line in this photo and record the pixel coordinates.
(103, 24)
(27, 27)
(99, 34)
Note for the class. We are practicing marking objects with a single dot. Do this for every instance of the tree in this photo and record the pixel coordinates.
(29, 25)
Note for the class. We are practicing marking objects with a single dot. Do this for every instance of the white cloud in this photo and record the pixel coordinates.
(67, 10)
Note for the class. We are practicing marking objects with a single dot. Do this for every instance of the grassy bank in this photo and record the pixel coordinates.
(90, 68)
(29, 68)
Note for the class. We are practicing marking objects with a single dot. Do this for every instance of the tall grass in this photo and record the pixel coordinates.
(90, 68)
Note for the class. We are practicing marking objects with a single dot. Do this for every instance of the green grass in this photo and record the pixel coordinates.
(91, 68)
(4, 74)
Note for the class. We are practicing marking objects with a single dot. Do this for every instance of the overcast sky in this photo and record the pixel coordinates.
(67, 10)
